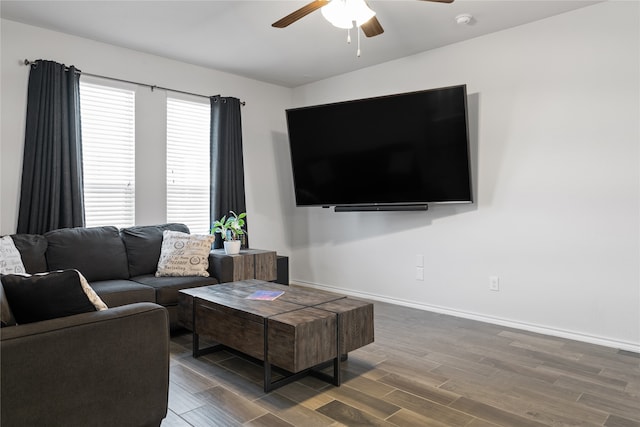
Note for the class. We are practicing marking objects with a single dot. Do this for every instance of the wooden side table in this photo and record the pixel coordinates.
(248, 264)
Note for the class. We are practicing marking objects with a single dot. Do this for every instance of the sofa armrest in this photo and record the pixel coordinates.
(102, 368)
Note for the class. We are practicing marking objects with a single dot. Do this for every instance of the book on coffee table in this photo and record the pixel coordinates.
(265, 295)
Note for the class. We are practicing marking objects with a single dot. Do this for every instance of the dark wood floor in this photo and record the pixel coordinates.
(424, 369)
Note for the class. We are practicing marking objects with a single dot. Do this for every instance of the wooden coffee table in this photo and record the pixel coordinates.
(301, 330)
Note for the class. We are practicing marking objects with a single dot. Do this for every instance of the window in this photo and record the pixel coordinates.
(108, 154)
(188, 167)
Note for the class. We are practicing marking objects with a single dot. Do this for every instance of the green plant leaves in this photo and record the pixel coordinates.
(230, 227)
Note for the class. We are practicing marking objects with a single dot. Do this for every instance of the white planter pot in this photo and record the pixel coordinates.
(232, 247)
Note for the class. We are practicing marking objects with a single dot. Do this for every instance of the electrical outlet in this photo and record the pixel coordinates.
(494, 283)
(419, 260)
(419, 273)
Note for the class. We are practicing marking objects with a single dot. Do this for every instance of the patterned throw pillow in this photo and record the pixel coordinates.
(44, 296)
(10, 260)
(184, 254)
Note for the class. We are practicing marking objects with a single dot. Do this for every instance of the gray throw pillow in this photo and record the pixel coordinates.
(6, 316)
(32, 249)
(44, 296)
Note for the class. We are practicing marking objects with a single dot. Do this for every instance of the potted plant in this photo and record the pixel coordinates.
(230, 228)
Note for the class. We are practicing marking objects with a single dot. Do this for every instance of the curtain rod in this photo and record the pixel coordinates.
(152, 87)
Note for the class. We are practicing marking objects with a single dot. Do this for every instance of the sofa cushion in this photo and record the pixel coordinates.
(32, 249)
(143, 244)
(97, 252)
(122, 292)
(184, 254)
(10, 260)
(44, 296)
(167, 288)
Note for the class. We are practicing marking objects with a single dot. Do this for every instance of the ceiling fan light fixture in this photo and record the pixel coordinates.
(343, 13)
(336, 13)
(360, 12)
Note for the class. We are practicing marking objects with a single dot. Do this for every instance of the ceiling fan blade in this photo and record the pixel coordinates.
(372, 27)
(440, 1)
(300, 13)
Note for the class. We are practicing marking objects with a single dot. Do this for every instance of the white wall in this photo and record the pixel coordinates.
(554, 116)
(267, 173)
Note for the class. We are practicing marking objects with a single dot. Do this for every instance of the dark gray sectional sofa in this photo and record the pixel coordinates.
(120, 265)
(101, 368)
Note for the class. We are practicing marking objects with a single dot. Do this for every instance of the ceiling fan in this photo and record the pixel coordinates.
(342, 14)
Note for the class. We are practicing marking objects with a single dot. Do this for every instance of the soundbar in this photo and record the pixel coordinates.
(380, 208)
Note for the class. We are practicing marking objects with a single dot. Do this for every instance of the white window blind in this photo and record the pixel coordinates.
(188, 168)
(108, 154)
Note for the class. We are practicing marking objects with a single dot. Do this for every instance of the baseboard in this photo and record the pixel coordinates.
(591, 339)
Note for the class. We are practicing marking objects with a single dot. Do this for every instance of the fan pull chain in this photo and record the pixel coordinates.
(349, 38)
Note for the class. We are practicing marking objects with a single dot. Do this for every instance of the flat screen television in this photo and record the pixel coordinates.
(394, 152)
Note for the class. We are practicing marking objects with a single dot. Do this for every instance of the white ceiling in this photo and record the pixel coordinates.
(237, 37)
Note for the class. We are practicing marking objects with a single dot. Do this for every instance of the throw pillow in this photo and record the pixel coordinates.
(184, 254)
(44, 296)
(32, 248)
(6, 316)
(10, 260)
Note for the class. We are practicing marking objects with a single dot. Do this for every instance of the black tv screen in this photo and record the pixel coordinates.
(404, 149)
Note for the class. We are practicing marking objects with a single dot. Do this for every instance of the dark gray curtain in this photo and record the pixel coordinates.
(227, 167)
(51, 195)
